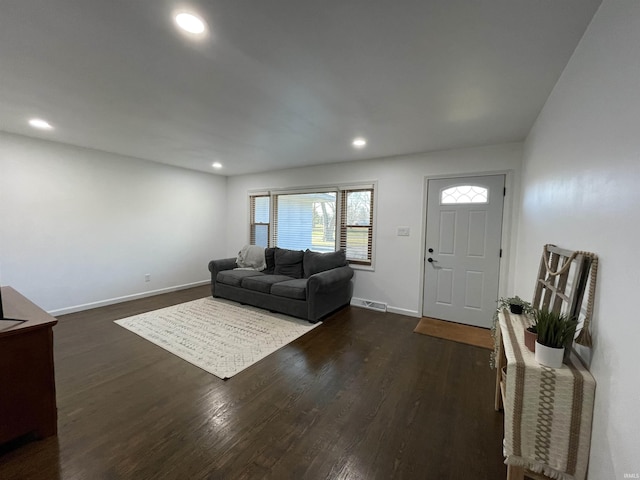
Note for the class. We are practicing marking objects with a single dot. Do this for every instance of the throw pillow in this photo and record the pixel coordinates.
(315, 262)
(269, 256)
(288, 262)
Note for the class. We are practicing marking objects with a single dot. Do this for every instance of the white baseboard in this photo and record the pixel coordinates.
(381, 306)
(404, 311)
(135, 296)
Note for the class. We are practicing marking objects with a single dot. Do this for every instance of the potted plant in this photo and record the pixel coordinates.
(555, 332)
(531, 334)
(516, 305)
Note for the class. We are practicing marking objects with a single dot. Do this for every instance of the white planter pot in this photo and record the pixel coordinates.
(549, 357)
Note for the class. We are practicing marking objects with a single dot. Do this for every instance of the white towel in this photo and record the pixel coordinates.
(251, 257)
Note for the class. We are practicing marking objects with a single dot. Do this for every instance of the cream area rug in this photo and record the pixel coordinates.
(218, 336)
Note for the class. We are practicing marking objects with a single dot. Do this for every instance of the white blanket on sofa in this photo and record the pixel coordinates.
(251, 257)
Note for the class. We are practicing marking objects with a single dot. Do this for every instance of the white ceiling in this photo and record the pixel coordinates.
(282, 83)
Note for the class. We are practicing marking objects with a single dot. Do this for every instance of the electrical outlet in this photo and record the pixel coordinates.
(147, 277)
(403, 231)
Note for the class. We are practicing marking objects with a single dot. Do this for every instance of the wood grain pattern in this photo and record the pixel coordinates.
(359, 397)
(27, 385)
(457, 332)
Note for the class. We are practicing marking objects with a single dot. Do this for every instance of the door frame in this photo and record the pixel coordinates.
(507, 239)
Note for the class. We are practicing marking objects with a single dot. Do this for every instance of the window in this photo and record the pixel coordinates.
(356, 225)
(464, 194)
(323, 221)
(305, 220)
(259, 212)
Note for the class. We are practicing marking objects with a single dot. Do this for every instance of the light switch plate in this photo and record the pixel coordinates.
(404, 231)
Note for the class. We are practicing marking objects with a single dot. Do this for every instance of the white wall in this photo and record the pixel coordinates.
(81, 228)
(581, 191)
(397, 278)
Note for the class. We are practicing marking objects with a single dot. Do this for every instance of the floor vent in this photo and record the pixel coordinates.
(370, 304)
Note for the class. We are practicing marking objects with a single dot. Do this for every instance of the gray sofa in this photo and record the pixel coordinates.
(303, 284)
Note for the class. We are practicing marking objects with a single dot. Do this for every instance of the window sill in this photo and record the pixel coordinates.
(366, 268)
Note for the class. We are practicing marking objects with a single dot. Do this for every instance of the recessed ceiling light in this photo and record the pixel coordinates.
(190, 23)
(40, 124)
(216, 165)
(359, 142)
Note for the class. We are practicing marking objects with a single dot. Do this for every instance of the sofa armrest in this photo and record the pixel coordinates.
(329, 280)
(216, 266)
(327, 291)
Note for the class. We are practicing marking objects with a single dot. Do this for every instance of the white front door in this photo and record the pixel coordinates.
(464, 231)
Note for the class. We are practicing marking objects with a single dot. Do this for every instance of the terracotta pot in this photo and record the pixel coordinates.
(530, 340)
(549, 357)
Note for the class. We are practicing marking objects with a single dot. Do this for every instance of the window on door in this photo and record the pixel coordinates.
(464, 194)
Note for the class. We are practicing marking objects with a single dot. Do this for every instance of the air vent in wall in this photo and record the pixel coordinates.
(370, 304)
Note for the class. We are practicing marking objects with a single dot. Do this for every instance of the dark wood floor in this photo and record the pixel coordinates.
(360, 397)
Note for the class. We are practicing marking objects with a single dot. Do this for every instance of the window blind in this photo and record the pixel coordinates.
(305, 221)
(356, 225)
(322, 220)
(259, 225)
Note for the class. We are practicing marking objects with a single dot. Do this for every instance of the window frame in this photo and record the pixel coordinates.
(342, 192)
(344, 226)
(253, 223)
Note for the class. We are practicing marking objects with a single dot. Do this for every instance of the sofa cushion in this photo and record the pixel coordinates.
(269, 256)
(315, 262)
(288, 262)
(235, 277)
(296, 289)
(263, 283)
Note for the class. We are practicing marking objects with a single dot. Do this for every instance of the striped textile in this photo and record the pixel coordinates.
(547, 411)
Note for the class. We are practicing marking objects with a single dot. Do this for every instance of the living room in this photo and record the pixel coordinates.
(81, 227)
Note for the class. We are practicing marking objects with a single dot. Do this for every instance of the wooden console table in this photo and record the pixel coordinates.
(27, 382)
(547, 412)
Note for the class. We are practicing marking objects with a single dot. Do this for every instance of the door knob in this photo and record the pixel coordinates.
(430, 260)
(431, 250)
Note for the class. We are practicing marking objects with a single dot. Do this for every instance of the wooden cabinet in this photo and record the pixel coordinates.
(547, 412)
(27, 381)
